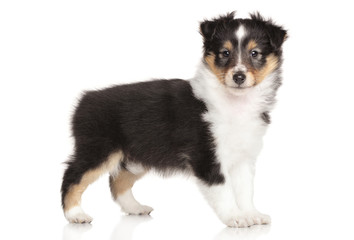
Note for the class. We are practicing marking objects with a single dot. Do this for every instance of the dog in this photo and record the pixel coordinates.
(210, 126)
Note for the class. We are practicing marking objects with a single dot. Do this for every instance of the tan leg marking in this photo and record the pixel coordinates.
(73, 197)
(123, 182)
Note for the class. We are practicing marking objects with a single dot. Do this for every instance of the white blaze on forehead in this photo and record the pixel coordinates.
(240, 34)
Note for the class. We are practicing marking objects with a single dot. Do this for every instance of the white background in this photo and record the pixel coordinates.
(50, 51)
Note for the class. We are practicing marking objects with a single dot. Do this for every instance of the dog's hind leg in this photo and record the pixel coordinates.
(121, 188)
(77, 177)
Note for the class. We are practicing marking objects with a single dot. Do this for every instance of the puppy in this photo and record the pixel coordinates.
(210, 126)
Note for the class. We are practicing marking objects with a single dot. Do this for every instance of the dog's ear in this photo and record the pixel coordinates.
(209, 28)
(276, 34)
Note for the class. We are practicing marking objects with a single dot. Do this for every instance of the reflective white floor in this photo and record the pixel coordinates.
(137, 227)
(132, 227)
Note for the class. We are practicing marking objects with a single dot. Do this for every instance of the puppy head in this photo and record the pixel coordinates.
(242, 52)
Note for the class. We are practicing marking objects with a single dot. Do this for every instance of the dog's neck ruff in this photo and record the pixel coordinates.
(220, 98)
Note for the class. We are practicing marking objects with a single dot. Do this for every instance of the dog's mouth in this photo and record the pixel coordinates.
(241, 88)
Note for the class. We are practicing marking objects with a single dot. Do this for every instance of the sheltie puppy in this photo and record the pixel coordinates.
(210, 126)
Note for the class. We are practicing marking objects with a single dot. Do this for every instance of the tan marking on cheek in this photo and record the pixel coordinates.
(271, 64)
(229, 77)
(250, 79)
(73, 196)
(123, 182)
(219, 72)
(251, 45)
(229, 73)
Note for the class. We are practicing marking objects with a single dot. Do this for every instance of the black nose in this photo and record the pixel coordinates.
(239, 78)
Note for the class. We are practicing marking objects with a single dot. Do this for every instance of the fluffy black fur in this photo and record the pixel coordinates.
(157, 124)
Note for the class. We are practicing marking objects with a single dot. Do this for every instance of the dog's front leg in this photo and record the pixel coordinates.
(221, 198)
(242, 179)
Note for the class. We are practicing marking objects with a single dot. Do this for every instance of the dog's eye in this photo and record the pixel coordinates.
(254, 53)
(225, 53)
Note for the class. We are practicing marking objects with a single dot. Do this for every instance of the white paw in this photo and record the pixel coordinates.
(138, 210)
(77, 215)
(248, 219)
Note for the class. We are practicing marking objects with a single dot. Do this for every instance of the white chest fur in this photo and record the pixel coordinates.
(237, 129)
(235, 119)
